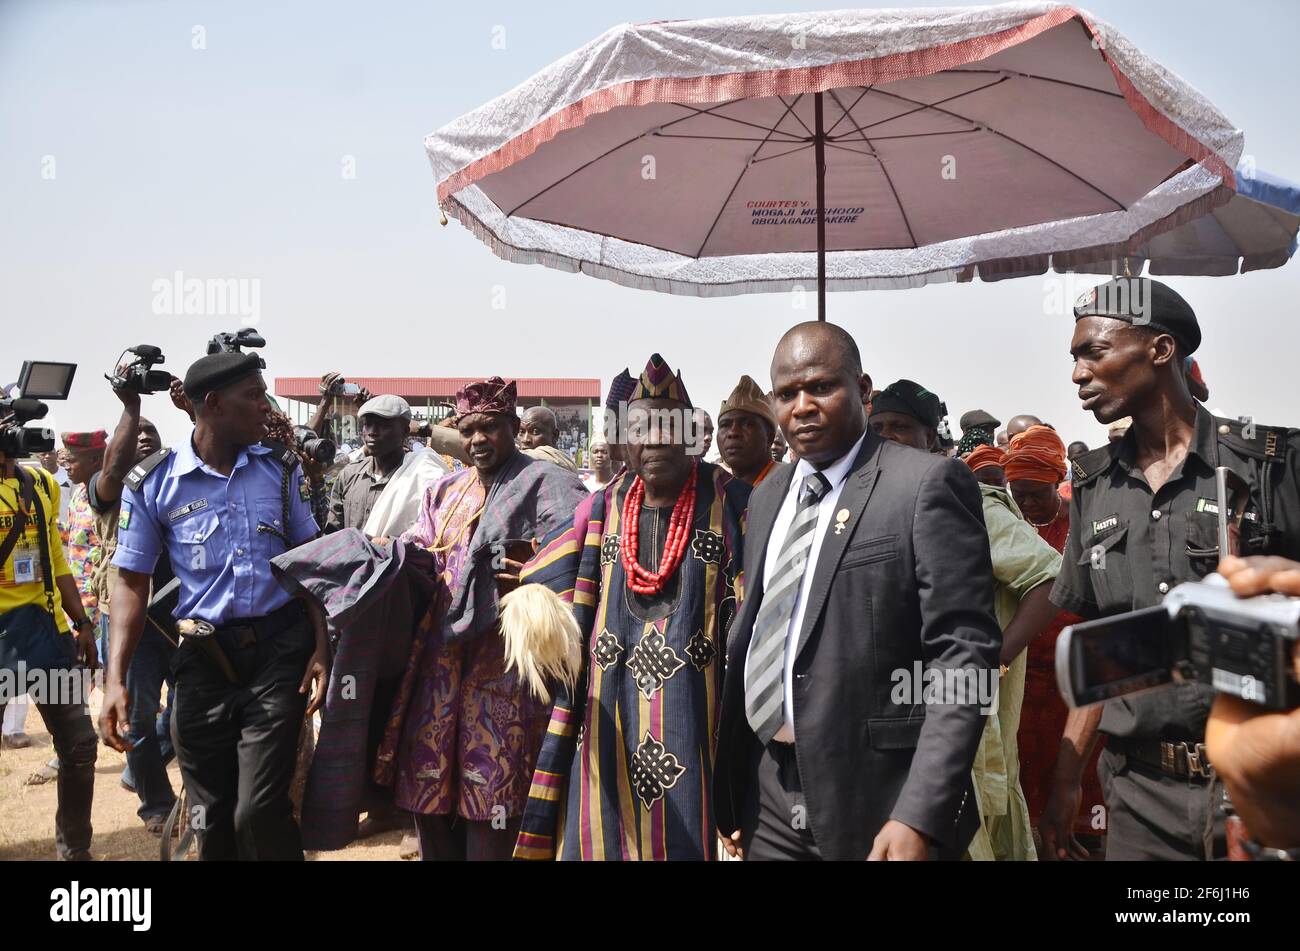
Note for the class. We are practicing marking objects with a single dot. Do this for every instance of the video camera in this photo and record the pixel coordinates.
(138, 375)
(39, 380)
(1202, 633)
(235, 342)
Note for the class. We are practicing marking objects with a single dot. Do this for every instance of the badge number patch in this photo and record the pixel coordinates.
(1103, 526)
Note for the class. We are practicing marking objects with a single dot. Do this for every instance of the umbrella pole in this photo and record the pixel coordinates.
(819, 151)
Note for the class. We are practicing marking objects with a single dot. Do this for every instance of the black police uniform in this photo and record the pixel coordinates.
(1127, 548)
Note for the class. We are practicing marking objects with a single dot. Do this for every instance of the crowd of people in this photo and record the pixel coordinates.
(680, 651)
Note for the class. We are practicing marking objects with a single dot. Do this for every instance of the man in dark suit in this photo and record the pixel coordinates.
(867, 563)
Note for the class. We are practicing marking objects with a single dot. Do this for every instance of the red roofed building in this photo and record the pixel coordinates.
(432, 397)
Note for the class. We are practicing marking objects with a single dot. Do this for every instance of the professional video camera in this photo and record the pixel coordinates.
(315, 447)
(138, 375)
(39, 380)
(235, 342)
(1202, 633)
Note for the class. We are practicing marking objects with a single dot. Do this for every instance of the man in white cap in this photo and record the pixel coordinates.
(380, 493)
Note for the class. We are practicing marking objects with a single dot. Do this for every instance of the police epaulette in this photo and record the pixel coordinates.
(1265, 442)
(283, 454)
(135, 478)
(1087, 466)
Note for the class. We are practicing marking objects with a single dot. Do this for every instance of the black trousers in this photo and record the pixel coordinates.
(774, 818)
(452, 838)
(237, 743)
(1150, 816)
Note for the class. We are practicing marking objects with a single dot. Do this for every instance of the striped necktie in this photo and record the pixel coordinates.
(764, 692)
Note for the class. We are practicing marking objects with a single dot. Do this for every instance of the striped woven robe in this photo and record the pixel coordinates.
(626, 767)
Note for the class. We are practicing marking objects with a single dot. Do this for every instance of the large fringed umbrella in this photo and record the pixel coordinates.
(842, 150)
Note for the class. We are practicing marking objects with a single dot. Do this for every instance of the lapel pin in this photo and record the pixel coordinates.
(841, 517)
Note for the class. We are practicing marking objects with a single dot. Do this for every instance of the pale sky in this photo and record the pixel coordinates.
(131, 155)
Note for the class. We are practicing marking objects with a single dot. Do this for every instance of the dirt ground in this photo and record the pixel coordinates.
(27, 812)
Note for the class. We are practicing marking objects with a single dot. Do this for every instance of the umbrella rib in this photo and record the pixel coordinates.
(921, 108)
(865, 90)
(718, 217)
(920, 135)
(1046, 79)
(845, 148)
(881, 162)
(694, 113)
(795, 114)
(1015, 141)
(806, 145)
(721, 138)
(718, 115)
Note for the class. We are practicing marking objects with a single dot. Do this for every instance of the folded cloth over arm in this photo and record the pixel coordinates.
(373, 596)
(398, 506)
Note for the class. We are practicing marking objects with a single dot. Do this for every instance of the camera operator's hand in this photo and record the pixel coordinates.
(331, 381)
(313, 469)
(1261, 574)
(182, 402)
(1255, 751)
(129, 397)
(1257, 754)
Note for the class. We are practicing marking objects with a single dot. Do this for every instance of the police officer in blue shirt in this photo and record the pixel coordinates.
(222, 505)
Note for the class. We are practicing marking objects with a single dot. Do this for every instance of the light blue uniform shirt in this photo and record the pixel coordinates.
(208, 524)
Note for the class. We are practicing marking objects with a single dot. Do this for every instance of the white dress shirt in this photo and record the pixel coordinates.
(835, 474)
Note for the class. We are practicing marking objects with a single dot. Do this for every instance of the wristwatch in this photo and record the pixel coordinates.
(85, 621)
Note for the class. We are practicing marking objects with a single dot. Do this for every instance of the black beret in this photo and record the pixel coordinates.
(910, 399)
(1143, 302)
(978, 418)
(217, 370)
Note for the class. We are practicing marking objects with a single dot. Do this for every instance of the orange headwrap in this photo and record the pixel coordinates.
(982, 456)
(1037, 454)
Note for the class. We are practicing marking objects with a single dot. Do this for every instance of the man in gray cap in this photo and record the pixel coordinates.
(357, 491)
(1144, 519)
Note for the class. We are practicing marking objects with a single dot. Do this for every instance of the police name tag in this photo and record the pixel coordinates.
(1103, 525)
(184, 510)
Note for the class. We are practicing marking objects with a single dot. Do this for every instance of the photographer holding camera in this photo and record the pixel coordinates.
(1144, 518)
(222, 505)
(134, 440)
(1257, 752)
(36, 589)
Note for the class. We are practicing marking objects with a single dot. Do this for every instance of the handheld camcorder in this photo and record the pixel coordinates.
(138, 376)
(235, 342)
(1201, 633)
(39, 380)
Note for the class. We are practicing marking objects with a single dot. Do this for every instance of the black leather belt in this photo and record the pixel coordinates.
(246, 632)
(1180, 760)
